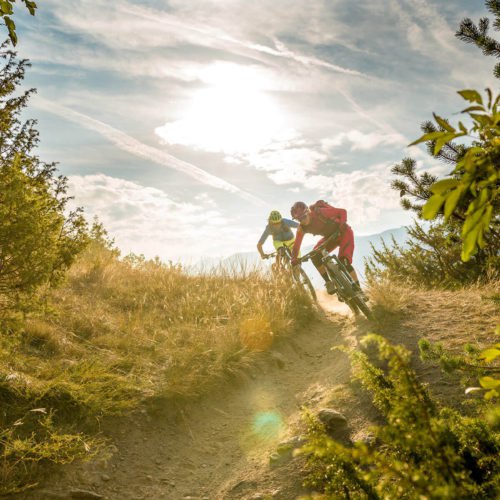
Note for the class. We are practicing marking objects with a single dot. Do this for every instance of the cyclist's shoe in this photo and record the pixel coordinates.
(331, 289)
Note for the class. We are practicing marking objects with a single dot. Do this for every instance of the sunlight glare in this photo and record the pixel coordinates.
(233, 115)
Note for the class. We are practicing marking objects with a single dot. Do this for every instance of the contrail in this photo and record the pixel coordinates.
(137, 148)
(280, 50)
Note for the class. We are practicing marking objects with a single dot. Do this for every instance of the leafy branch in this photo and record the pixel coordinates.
(475, 178)
(7, 10)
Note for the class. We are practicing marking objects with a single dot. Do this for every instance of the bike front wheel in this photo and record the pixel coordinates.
(347, 292)
(303, 280)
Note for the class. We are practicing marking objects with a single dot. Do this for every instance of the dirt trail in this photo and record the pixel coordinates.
(219, 446)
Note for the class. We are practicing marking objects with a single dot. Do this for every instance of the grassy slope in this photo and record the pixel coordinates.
(452, 318)
(118, 334)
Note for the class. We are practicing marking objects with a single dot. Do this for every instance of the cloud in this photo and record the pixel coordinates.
(365, 194)
(287, 165)
(137, 148)
(147, 220)
(224, 30)
(362, 141)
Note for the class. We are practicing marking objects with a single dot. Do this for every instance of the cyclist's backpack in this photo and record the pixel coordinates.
(322, 204)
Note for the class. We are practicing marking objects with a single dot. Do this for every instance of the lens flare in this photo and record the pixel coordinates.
(267, 425)
(264, 431)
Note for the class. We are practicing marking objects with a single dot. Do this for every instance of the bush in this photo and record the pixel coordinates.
(422, 451)
(39, 237)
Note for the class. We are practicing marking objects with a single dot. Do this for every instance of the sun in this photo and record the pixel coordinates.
(234, 114)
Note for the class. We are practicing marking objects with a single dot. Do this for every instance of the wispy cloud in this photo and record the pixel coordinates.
(130, 211)
(156, 28)
(137, 148)
(362, 141)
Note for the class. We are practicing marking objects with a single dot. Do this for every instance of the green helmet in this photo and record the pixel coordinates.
(275, 217)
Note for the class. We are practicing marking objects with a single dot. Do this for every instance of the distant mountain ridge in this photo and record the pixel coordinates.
(362, 250)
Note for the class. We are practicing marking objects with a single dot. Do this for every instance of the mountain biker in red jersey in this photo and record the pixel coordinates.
(323, 219)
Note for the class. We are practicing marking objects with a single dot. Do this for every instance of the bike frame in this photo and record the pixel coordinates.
(338, 273)
(284, 259)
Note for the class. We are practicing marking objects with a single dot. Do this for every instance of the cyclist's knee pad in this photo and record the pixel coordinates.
(347, 264)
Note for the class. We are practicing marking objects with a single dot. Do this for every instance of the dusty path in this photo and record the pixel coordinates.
(219, 446)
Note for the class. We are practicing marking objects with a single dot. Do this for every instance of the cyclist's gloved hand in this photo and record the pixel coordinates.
(295, 261)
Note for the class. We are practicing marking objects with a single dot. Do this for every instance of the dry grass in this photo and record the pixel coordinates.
(452, 318)
(121, 332)
(389, 298)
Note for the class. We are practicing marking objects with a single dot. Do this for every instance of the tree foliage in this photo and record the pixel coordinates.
(477, 34)
(462, 242)
(39, 235)
(6, 12)
(422, 450)
(430, 258)
(470, 193)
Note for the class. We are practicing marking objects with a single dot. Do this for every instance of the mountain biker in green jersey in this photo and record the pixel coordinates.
(281, 231)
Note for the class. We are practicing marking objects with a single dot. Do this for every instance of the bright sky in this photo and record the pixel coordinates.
(182, 124)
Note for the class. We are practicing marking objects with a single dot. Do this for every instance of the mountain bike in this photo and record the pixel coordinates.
(299, 276)
(346, 290)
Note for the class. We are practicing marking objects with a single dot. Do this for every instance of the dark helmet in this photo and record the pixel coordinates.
(299, 209)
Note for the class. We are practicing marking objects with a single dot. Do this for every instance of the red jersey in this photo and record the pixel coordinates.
(325, 224)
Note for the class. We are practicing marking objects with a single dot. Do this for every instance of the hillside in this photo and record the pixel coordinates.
(120, 334)
(236, 442)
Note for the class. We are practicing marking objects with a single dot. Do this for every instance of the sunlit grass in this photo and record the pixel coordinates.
(119, 334)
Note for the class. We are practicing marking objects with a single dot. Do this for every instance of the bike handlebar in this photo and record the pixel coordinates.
(317, 250)
(269, 255)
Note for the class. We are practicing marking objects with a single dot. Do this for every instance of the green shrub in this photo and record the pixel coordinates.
(421, 451)
(39, 236)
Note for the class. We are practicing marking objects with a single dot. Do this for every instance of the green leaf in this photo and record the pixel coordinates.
(432, 136)
(12, 29)
(489, 382)
(451, 202)
(440, 187)
(490, 354)
(469, 244)
(6, 7)
(490, 97)
(483, 120)
(473, 108)
(443, 123)
(462, 128)
(471, 220)
(486, 218)
(446, 137)
(468, 161)
(431, 208)
(481, 243)
(491, 394)
(495, 104)
(31, 6)
(471, 96)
